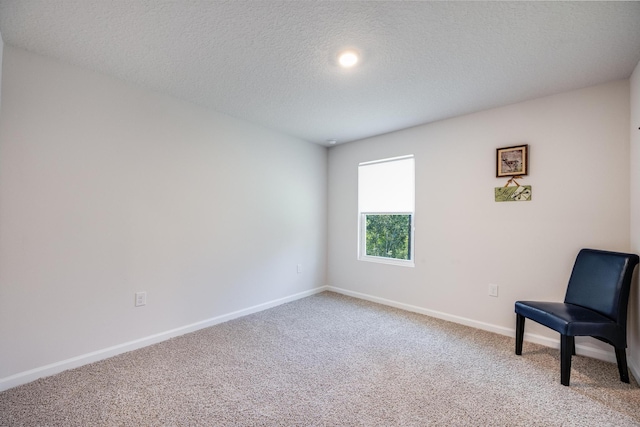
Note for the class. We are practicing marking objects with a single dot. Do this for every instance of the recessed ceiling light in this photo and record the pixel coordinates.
(348, 59)
(331, 141)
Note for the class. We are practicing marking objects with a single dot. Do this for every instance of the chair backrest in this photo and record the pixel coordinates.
(601, 281)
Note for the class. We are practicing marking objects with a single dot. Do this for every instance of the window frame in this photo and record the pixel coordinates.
(362, 246)
(362, 223)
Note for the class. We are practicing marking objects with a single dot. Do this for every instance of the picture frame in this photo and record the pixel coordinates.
(512, 161)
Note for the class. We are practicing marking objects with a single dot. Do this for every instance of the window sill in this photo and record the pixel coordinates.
(390, 261)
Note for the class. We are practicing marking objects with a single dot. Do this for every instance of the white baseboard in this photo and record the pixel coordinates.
(534, 338)
(74, 362)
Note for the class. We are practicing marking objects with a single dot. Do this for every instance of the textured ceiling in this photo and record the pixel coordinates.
(273, 62)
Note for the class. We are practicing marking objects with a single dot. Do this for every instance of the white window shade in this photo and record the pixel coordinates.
(387, 186)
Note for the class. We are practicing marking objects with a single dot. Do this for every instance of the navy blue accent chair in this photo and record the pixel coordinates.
(595, 305)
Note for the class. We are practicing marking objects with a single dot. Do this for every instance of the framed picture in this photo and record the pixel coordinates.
(512, 161)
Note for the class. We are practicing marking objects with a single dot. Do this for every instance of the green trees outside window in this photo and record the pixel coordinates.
(388, 235)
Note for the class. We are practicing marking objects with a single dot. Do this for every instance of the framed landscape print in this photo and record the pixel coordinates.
(512, 161)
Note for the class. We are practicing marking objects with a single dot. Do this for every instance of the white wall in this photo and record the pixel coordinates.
(1, 55)
(634, 302)
(106, 190)
(464, 240)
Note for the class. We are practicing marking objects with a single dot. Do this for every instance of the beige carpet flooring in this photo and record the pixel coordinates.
(329, 360)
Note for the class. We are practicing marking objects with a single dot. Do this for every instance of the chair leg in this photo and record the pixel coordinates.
(621, 357)
(567, 343)
(519, 333)
(573, 347)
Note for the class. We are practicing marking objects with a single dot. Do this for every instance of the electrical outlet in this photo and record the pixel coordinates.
(493, 290)
(141, 299)
(299, 268)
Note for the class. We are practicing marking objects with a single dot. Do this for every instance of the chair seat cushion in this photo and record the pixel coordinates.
(570, 319)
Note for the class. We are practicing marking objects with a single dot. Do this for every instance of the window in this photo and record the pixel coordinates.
(386, 199)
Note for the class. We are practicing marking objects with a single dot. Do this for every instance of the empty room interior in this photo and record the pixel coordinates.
(169, 169)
